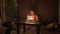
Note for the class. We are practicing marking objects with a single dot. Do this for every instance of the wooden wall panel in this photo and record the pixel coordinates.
(44, 8)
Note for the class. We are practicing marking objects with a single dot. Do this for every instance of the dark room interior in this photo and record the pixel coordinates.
(15, 17)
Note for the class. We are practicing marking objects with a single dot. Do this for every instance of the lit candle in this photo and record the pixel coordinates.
(30, 17)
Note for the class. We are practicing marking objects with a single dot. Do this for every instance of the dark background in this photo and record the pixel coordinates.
(47, 9)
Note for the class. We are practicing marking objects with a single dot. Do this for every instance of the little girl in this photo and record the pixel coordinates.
(32, 16)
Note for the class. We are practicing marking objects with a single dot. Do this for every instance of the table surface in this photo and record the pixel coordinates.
(24, 22)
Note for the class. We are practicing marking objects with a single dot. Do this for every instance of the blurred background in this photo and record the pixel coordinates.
(48, 12)
(47, 9)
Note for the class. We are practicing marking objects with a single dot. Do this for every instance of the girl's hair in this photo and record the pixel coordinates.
(33, 11)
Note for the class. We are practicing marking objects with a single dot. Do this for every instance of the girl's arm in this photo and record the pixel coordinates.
(36, 18)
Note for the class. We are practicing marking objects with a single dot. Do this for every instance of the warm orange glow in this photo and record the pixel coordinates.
(32, 16)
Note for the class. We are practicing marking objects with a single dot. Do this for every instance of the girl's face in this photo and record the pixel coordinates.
(31, 12)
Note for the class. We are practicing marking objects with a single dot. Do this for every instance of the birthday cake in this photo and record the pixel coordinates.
(30, 20)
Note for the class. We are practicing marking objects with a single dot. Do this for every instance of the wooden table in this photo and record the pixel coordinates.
(37, 25)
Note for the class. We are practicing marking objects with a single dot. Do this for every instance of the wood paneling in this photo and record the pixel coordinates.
(44, 8)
